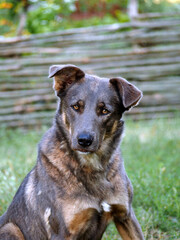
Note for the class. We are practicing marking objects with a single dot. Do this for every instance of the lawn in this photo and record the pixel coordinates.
(151, 150)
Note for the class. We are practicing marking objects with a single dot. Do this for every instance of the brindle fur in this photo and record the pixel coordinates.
(75, 191)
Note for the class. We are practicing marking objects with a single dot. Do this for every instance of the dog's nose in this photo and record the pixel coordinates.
(85, 139)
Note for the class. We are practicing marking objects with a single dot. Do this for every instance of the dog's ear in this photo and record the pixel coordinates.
(64, 76)
(130, 95)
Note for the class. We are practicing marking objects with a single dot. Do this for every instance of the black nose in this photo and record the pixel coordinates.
(85, 139)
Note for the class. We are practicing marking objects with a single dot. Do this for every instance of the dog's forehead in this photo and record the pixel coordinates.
(96, 83)
(97, 86)
(91, 88)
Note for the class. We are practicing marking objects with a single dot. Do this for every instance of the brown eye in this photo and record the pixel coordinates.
(105, 111)
(75, 107)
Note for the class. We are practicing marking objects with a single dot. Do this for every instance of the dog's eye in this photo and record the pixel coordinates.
(104, 111)
(75, 107)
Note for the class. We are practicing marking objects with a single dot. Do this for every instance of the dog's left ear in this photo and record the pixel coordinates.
(64, 76)
(130, 95)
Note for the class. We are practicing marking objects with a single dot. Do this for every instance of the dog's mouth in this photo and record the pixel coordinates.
(83, 151)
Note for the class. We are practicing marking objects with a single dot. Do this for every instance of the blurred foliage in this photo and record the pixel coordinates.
(52, 15)
(158, 6)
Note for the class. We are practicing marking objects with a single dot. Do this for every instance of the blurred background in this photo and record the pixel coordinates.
(18, 17)
(136, 39)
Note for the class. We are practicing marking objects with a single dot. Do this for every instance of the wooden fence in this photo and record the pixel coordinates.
(145, 51)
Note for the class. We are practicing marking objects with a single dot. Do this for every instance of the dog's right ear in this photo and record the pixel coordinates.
(64, 76)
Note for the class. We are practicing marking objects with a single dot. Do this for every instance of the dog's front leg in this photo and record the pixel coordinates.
(129, 227)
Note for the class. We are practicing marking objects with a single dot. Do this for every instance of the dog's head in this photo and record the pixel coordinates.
(91, 107)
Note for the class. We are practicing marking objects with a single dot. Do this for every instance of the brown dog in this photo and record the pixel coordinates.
(79, 184)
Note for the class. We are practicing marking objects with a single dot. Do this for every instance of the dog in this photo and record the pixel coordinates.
(79, 183)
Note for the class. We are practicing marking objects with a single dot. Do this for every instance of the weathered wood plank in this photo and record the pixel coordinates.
(23, 93)
(133, 63)
(26, 100)
(154, 109)
(28, 116)
(32, 50)
(32, 123)
(160, 69)
(152, 116)
(6, 78)
(28, 108)
(24, 86)
(158, 99)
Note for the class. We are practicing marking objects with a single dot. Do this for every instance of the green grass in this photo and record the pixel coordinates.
(151, 150)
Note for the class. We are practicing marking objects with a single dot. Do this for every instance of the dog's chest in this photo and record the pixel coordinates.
(86, 211)
(91, 216)
(86, 217)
